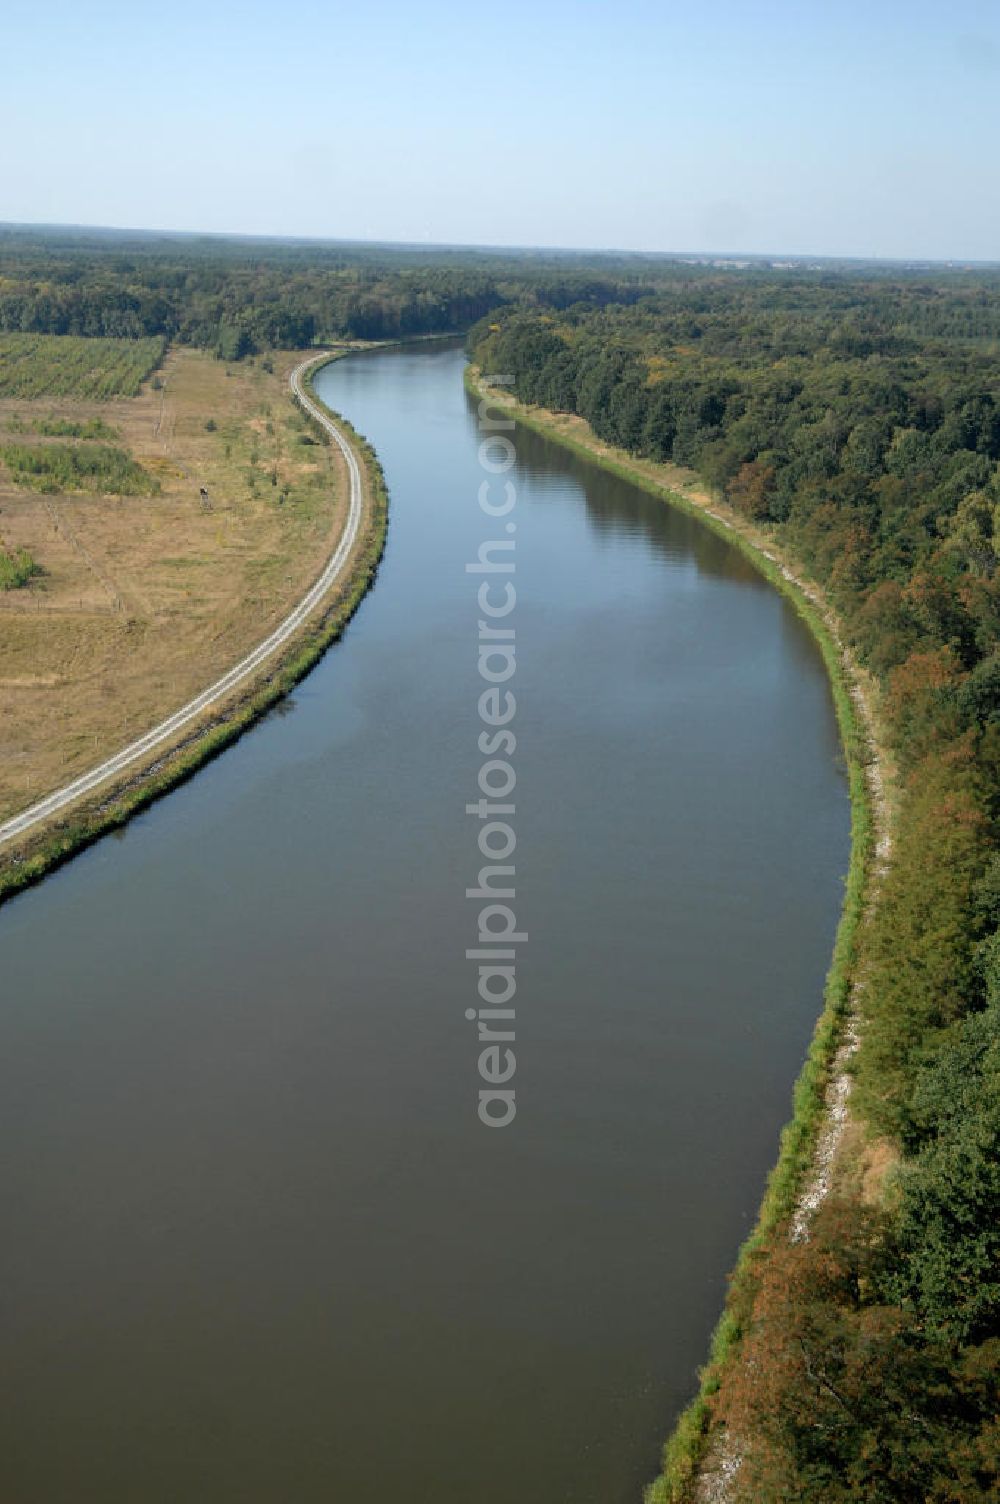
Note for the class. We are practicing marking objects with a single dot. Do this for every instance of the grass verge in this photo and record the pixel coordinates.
(112, 808)
(686, 1445)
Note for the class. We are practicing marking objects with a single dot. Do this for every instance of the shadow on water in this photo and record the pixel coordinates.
(617, 508)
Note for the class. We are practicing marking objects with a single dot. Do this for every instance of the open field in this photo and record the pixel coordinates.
(143, 600)
(60, 365)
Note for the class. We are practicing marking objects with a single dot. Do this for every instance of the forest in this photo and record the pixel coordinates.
(857, 418)
(242, 297)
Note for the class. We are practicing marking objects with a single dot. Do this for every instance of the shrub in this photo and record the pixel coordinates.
(16, 569)
(77, 467)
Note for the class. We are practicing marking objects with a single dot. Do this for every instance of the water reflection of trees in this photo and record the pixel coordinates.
(615, 505)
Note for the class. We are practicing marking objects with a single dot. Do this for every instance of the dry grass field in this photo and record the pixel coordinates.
(144, 599)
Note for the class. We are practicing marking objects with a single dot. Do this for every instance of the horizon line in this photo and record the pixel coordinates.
(430, 246)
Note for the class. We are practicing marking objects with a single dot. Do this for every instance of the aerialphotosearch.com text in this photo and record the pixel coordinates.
(494, 808)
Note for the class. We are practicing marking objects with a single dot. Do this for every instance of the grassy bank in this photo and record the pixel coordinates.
(106, 811)
(686, 1446)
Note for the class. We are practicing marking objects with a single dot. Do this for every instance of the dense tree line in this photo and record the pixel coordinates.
(860, 419)
(239, 297)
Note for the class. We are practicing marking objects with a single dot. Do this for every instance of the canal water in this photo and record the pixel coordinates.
(257, 1245)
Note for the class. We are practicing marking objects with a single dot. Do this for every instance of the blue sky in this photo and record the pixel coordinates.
(744, 125)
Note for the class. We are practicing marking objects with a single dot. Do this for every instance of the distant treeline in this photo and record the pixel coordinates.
(239, 297)
(860, 418)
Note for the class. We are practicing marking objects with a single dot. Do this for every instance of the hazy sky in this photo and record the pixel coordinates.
(844, 128)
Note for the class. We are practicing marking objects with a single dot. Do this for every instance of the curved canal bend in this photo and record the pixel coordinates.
(257, 1246)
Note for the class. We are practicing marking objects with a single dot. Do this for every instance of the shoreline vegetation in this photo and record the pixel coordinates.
(813, 1136)
(852, 421)
(28, 860)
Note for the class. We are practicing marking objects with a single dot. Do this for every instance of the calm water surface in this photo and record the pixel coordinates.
(256, 1246)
